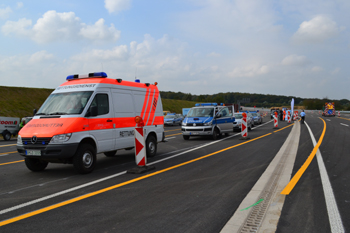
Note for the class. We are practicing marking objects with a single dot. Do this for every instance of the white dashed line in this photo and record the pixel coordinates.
(344, 124)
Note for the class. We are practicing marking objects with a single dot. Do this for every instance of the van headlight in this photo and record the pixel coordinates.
(19, 140)
(60, 138)
(183, 123)
(208, 123)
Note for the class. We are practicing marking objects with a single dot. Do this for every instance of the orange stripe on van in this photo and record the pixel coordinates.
(149, 105)
(144, 104)
(153, 108)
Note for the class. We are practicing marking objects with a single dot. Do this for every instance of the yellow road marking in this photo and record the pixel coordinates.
(11, 152)
(344, 118)
(12, 162)
(9, 145)
(64, 203)
(297, 176)
(172, 130)
(173, 135)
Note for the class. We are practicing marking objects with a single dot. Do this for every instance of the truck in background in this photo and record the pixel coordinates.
(329, 109)
(9, 126)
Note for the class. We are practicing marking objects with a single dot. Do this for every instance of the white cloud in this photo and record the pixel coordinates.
(99, 31)
(318, 29)
(19, 5)
(335, 71)
(117, 5)
(5, 12)
(41, 56)
(54, 26)
(21, 27)
(249, 71)
(117, 53)
(213, 54)
(295, 60)
(316, 69)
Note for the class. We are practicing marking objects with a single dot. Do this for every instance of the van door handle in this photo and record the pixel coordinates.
(109, 120)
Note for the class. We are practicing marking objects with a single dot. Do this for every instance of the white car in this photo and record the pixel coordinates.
(237, 124)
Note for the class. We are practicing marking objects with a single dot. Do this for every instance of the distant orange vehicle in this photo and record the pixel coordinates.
(329, 109)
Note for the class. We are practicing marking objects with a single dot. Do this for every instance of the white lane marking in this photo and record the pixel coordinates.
(107, 178)
(332, 208)
(4, 155)
(328, 120)
(344, 124)
(59, 193)
(170, 138)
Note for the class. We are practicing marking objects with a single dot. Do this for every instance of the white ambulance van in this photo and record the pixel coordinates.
(90, 114)
(9, 126)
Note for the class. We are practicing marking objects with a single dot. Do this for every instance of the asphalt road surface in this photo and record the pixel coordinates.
(197, 185)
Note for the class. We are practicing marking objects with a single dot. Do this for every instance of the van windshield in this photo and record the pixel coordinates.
(201, 112)
(65, 103)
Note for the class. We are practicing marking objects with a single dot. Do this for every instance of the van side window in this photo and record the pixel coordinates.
(101, 101)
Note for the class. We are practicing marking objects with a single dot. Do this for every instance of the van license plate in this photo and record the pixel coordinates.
(33, 152)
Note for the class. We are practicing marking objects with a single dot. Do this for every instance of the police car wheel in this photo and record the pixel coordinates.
(35, 165)
(84, 160)
(110, 153)
(151, 146)
(7, 136)
(216, 134)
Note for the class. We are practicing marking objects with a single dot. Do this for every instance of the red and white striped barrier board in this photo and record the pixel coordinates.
(289, 117)
(338, 113)
(275, 121)
(140, 150)
(244, 125)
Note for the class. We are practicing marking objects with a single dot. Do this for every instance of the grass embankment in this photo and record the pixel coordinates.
(21, 101)
(176, 105)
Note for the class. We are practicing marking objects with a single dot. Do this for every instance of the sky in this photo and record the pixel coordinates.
(279, 47)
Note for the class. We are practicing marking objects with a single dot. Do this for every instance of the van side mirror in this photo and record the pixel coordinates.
(34, 112)
(92, 111)
(218, 115)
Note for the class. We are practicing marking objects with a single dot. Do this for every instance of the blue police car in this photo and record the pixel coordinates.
(208, 119)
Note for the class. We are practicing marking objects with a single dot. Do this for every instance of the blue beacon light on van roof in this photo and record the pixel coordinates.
(90, 75)
(206, 104)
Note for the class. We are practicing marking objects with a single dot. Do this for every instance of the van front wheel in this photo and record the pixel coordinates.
(151, 146)
(84, 160)
(35, 165)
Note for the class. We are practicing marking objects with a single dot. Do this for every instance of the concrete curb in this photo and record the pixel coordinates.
(272, 182)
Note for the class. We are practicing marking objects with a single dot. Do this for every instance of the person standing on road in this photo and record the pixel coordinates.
(302, 114)
(23, 123)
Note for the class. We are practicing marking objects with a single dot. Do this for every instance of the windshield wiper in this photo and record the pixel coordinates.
(58, 113)
(41, 113)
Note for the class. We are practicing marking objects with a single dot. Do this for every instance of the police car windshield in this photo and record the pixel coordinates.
(238, 115)
(65, 103)
(201, 112)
